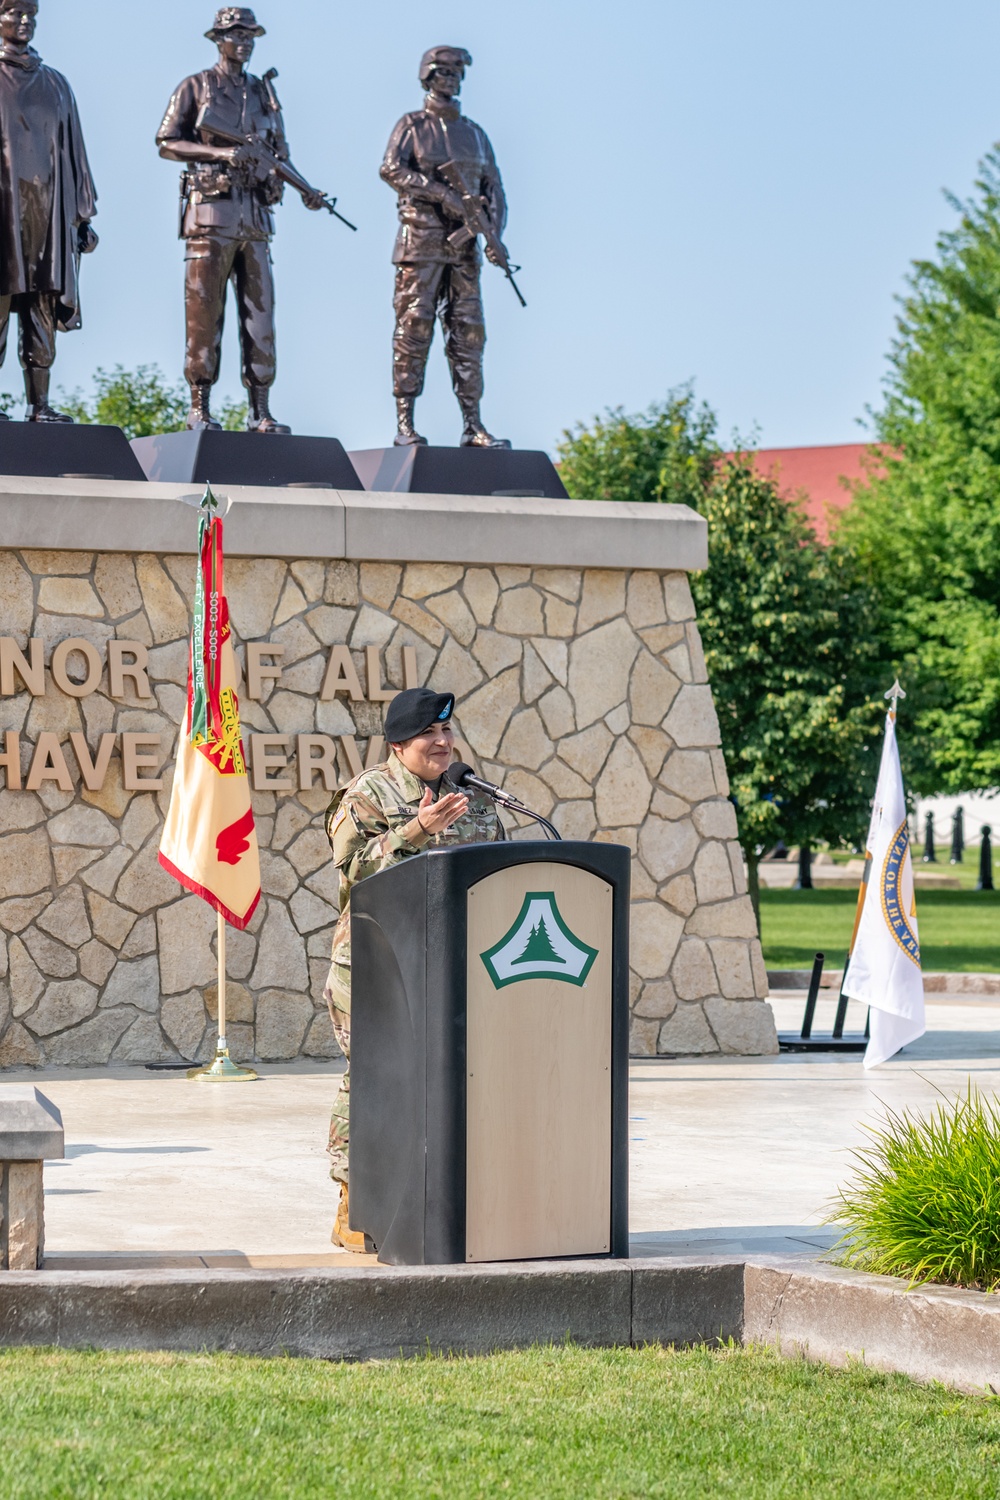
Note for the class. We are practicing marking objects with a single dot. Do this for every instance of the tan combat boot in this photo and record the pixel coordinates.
(343, 1234)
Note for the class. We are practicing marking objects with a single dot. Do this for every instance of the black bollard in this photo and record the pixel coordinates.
(805, 880)
(957, 837)
(985, 881)
(930, 858)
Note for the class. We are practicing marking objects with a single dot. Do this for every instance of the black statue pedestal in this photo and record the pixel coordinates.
(64, 450)
(251, 458)
(421, 470)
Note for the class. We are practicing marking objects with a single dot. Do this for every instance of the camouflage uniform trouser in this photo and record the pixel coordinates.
(451, 293)
(210, 265)
(338, 998)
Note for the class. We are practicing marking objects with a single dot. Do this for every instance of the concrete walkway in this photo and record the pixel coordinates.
(729, 1155)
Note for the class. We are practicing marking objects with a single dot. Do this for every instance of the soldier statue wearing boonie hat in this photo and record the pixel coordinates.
(226, 219)
(399, 808)
(231, 17)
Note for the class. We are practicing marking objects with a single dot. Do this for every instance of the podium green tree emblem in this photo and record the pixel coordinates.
(539, 945)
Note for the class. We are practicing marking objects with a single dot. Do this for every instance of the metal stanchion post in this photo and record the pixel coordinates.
(930, 854)
(985, 881)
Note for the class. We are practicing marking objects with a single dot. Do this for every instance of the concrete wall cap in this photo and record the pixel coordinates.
(31, 1127)
(88, 515)
(495, 529)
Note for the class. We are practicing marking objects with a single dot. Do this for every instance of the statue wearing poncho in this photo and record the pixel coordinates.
(47, 199)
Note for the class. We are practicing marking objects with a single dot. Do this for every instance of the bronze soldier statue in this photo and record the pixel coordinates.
(47, 200)
(225, 126)
(435, 157)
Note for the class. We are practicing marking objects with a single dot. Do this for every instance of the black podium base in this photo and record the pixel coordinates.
(520, 473)
(61, 450)
(246, 458)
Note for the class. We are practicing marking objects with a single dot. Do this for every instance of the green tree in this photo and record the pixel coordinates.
(665, 454)
(782, 618)
(926, 526)
(141, 403)
(782, 623)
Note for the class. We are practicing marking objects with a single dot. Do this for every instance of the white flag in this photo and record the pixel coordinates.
(884, 968)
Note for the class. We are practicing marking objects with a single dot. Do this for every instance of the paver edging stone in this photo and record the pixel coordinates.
(833, 1315)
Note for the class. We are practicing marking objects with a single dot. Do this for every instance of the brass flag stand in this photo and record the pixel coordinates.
(222, 1069)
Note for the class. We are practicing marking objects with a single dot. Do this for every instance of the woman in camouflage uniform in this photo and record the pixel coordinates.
(387, 814)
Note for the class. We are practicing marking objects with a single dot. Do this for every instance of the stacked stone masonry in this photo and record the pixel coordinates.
(583, 691)
(22, 1216)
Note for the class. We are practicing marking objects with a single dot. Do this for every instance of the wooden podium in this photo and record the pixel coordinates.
(489, 1054)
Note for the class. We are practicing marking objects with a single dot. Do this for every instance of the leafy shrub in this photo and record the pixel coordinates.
(925, 1200)
(665, 455)
(142, 403)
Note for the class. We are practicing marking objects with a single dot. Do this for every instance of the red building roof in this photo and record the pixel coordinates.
(818, 472)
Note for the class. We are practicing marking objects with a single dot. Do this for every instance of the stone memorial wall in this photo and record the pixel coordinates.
(583, 689)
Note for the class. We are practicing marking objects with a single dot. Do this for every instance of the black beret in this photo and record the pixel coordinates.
(414, 710)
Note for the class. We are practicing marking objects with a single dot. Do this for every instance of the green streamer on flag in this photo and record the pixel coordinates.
(209, 627)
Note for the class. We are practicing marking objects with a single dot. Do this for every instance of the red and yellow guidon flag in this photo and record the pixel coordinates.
(209, 841)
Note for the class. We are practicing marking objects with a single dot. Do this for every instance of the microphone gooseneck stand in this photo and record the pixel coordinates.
(512, 805)
(464, 778)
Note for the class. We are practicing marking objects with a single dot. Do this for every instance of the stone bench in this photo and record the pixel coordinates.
(31, 1130)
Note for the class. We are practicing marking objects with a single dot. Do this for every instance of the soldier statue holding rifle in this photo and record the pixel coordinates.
(450, 194)
(225, 127)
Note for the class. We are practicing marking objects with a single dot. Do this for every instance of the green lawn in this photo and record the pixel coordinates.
(540, 1425)
(966, 873)
(959, 930)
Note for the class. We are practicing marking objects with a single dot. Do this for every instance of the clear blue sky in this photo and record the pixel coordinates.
(722, 191)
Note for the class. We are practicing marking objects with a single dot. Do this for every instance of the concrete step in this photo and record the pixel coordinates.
(801, 1308)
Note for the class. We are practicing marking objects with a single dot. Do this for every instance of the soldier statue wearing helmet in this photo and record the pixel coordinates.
(435, 278)
(226, 219)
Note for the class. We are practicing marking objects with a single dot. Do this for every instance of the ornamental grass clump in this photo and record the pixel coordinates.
(924, 1203)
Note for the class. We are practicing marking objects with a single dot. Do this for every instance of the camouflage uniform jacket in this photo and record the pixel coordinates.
(421, 143)
(365, 825)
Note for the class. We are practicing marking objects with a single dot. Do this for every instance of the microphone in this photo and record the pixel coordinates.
(464, 779)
